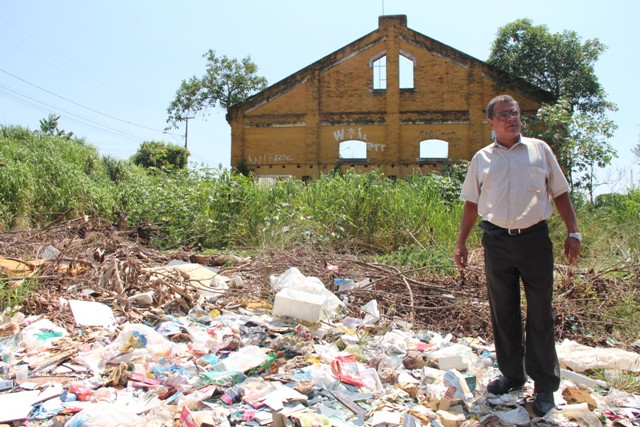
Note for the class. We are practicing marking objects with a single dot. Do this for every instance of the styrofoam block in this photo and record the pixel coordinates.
(446, 363)
(299, 305)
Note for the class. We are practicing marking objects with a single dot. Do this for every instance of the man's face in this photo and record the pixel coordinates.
(506, 121)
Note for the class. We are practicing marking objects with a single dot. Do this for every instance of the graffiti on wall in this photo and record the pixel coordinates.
(347, 134)
(438, 134)
(269, 158)
(375, 147)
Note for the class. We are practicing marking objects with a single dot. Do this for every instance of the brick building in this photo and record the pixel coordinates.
(394, 100)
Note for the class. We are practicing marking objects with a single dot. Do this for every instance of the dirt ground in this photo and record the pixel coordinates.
(97, 262)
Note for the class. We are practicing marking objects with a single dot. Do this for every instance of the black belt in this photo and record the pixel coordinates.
(492, 228)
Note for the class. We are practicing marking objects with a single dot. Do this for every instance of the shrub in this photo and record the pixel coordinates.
(160, 155)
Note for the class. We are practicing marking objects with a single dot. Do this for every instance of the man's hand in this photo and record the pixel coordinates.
(572, 248)
(469, 217)
(460, 256)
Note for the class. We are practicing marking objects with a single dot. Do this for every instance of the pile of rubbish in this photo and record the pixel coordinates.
(294, 357)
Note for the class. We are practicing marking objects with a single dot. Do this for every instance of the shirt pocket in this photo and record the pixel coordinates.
(537, 179)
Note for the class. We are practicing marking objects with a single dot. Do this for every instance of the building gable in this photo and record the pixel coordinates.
(303, 125)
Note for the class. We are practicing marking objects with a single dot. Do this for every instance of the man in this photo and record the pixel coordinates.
(511, 184)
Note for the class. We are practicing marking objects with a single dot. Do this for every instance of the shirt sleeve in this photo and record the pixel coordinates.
(471, 187)
(558, 183)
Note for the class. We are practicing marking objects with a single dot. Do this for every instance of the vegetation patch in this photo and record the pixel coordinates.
(402, 230)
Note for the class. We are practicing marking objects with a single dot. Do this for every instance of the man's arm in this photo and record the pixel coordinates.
(572, 247)
(469, 218)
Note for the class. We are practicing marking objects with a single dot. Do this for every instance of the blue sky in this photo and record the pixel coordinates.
(111, 68)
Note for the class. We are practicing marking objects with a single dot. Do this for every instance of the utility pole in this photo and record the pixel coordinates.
(186, 131)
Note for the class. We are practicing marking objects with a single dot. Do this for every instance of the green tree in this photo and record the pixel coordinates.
(583, 137)
(575, 124)
(49, 126)
(558, 63)
(226, 82)
(158, 154)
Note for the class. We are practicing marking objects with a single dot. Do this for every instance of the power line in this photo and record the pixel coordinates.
(100, 126)
(78, 104)
(84, 121)
(44, 52)
(65, 65)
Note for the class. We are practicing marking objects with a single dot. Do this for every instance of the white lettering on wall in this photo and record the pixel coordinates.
(269, 158)
(375, 147)
(349, 133)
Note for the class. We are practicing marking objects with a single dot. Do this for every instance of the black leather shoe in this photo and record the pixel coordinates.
(502, 385)
(543, 403)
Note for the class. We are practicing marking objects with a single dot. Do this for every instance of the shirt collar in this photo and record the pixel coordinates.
(497, 145)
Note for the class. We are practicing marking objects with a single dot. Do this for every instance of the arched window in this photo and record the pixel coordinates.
(435, 149)
(407, 63)
(378, 64)
(353, 150)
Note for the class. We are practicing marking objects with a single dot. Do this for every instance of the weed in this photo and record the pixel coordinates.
(627, 381)
(13, 293)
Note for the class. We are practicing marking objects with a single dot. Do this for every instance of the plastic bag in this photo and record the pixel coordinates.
(40, 336)
(372, 313)
(106, 415)
(581, 413)
(10, 341)
(245, 359)
(346, 369)
(580, 358)
(292, 278)
(517, 417)
(395, 342)
(135, 341)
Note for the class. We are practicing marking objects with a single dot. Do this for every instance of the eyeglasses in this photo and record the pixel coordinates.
(505, 115)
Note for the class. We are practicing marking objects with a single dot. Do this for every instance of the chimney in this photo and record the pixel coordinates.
(386, 21)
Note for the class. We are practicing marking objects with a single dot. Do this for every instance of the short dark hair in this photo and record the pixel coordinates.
(499, 100)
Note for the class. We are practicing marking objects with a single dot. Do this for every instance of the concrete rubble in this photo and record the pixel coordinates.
(293, 358)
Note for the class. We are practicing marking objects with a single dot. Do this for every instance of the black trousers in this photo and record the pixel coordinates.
(508, 260)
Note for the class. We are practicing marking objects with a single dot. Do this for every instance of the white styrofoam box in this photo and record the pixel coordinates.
(454, 356)
(299, 305)
(446, 363)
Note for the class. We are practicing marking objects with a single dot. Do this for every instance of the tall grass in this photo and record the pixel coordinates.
(376, 211)
(213, 209)
(47, 178)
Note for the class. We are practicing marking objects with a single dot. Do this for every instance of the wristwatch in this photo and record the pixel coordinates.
(576, 236)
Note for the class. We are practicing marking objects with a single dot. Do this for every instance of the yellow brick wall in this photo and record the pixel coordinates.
(295, 126)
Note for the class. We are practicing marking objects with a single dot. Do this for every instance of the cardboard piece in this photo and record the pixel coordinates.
(90, 313)
(17, 406)
(386, 419)
(209, 283)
